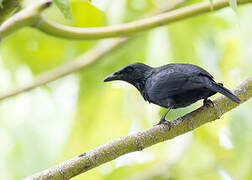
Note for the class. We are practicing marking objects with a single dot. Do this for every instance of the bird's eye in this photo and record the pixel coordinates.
(116, 73)
(129, 69)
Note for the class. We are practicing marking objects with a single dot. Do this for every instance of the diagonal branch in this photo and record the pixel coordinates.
(146, 138)
(93, 55)
(62, 31)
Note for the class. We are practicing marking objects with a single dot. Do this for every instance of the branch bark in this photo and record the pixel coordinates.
(62, 31)
(146, 138)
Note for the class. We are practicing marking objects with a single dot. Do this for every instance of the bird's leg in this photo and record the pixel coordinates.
(208, 102)
(162, 120)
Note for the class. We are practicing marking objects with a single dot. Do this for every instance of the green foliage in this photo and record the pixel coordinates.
(64, 7)
(83, 19)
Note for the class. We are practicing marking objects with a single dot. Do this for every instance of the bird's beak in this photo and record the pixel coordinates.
(112, 77)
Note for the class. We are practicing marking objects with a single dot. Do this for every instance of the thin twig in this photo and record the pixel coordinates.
(146, 138)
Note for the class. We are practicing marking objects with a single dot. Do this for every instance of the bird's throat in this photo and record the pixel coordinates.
(141, 88)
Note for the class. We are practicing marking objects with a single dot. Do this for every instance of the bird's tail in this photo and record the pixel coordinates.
(221, 89)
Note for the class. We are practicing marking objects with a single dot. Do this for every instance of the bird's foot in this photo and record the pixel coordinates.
(161, 121)
(164, 122)
(208, 103)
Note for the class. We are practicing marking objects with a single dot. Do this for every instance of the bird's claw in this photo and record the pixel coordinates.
(161, 121)
(208, 103)
(164, 122)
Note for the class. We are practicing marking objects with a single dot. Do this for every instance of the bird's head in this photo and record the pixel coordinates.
(132, 73)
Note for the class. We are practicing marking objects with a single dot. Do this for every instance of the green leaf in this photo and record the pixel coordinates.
(64, 7)
(233, 5)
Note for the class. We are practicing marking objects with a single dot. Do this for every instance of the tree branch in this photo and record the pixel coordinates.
(32, 16)
(62, 31)
(93, 55)
(26, 17)
(146, 138)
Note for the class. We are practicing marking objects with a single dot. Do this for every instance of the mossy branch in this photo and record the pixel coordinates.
(146, 138)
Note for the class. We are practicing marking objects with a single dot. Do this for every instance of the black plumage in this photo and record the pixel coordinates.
(171, 86)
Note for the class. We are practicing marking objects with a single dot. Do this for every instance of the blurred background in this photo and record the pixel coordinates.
(79, 112)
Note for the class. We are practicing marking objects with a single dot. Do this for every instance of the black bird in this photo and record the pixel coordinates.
(173, 85)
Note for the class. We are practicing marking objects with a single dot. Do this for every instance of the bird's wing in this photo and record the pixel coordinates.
(166, 84)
